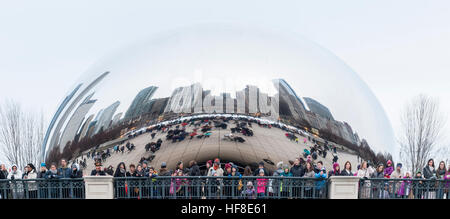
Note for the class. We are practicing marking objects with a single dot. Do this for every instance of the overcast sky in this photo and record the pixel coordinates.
(399, 48)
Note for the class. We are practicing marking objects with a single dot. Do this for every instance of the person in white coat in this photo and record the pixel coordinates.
(30, 186)
(365, 172)
(16, 186)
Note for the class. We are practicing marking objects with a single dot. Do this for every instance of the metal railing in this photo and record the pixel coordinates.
(382, 188)
(204, 187)
(42, 189)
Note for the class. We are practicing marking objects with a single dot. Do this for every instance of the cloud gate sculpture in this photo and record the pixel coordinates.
(204, 85)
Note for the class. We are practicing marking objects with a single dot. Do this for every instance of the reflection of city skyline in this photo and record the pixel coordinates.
(285, 105)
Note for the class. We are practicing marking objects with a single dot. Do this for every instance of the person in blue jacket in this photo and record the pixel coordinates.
(320, 184)
(64, 171)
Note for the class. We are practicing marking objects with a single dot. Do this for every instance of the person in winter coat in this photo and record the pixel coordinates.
(447, 183)
(261, 185)
(3, 172)
(132, 172)
(43, 171)
(163, 171)
(429, 172)
(249, 192)
(336, 170)
(389, 169)
(216, 167)
(309, 185)
(379, 186)
(417, 187)
(120, 170)
(98, 170)
(30, 186)
(16, 187)
(76, 171)
(347, 169)
(397, 174)
(285, 188)
(440, 173)
(274, 183)
(320, 185)
(297, 170)
(364, 173)
(405, 187)
(261, 167)
(194, 169)
(64, 171)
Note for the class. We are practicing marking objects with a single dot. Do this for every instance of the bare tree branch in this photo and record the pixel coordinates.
(422, 125)
(21, 134)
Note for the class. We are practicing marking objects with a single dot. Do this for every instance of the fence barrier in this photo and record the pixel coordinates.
(42, 189)
(382, 188)
(220, 188)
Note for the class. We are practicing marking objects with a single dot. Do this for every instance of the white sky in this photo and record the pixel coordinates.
(399, 48)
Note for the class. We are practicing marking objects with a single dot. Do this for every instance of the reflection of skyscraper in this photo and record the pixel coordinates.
(316, 107)
(116, 118)
(105, 118)
(141, 103)
(85, 127)
(69, 109)
(73, 126)
(55, 117)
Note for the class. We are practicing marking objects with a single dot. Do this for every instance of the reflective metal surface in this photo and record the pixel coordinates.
(227, 70)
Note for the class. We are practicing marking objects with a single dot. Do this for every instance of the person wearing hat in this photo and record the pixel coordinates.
(42, 171)
(163, 171)
(145, 167)
(76, 171)
(249, 192)
(261, 167)
(208, 166)
(98, 170)
(389, 169)
(216, 168)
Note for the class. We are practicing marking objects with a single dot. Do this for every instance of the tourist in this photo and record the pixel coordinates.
(429, 172)
(194, 169)
(261, 167)
(249, 192)
(418, 186)
(336, 170)
(440, 173)
(42, 171)
(216, 167)
(397, 174)
(31, 186)
(64, 171)
(297, 169)
(145, 168)
(163, 171)
(52, 173)
(109, 170)
(405, 188)
(347, 169)
(132, 172)
(447, 182)
(309, 185)
(76, 172)
(208, 166)
(120, 170)
(389, 169)
(248, 171)
(98, 170)
(261, 184)
(320, 185)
